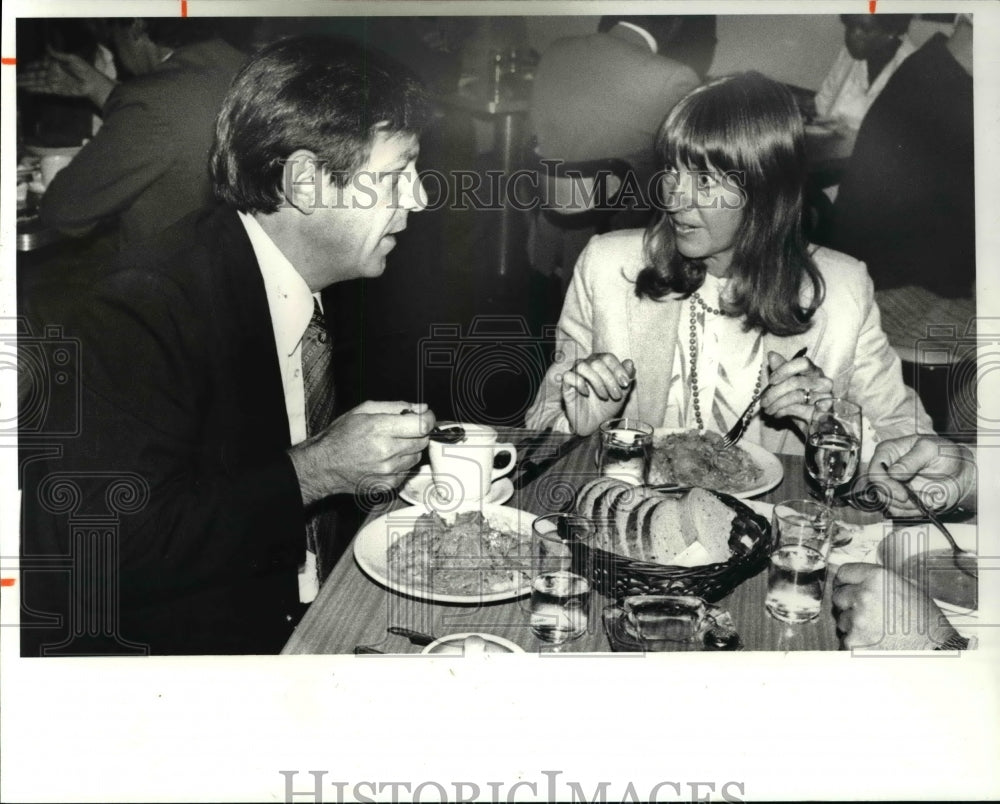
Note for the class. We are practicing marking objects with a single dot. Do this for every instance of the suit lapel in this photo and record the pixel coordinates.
(652, 328)
(256, 373)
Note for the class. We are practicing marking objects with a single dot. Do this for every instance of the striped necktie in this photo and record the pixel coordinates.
(317, 380)
(317, 373)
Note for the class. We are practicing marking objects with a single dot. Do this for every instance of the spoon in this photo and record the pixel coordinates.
(444, 435)
(964, 560)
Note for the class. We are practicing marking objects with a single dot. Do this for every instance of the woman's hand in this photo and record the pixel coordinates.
(595, 389)
(795, 386)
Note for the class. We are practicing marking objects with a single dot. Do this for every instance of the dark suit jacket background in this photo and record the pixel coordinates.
(906, 204)
(605, 95)
(148, 163)
(181, 386)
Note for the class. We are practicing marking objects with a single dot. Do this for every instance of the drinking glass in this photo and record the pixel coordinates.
(560, 577)
(625, 449)
(797, 572)
(833, 447)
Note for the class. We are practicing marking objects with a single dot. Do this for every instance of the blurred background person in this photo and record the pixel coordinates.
(604, 96)
(148, 163)
(689, 39)
(874, 47)
(906, 204)
(61, 120)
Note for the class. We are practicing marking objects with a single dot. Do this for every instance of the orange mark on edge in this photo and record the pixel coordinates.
(8, 61)
(6, 581)
(184, 8)
(871, 6)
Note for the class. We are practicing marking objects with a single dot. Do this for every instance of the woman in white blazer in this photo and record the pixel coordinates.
(679, 324)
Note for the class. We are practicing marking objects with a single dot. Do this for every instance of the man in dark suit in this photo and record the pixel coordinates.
(604, 96)
(205, 448)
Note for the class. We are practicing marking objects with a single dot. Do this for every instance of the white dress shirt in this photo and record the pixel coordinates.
(291, 305)
(644, 34)
(845, 94)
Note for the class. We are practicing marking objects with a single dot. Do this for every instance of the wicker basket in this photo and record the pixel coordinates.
(616, 576)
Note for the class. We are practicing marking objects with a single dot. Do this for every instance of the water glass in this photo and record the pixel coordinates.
(560, 577)
(625, 449)
(797, 572)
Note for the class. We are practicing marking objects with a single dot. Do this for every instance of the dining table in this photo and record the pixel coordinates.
(352, 611)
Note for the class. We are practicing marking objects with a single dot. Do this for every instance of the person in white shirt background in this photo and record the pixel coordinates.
(874, 47)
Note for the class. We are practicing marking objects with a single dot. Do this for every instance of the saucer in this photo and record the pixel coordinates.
(419, 490)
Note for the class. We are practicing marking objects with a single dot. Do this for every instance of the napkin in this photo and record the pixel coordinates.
(864, 543)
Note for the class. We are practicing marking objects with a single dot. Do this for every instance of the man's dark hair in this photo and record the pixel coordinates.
(330, 96)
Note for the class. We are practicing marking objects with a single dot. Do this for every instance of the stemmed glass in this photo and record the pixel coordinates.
(833, 447)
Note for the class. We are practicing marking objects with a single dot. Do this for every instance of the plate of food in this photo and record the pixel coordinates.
(695, 458)
(921, 554)
(471, 556)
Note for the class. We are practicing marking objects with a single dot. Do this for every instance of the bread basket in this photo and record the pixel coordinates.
(616, 576)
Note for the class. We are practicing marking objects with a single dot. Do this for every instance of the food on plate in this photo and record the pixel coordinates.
(937, 572)
(639, 523)
(467, 557)
(697, 459)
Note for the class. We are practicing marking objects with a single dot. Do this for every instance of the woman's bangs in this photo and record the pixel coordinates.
(702, 141)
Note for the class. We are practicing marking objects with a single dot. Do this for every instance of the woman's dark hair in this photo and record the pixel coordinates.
(748, 128)
(326, 95)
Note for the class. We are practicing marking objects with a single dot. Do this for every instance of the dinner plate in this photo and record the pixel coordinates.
(419, 490)
(372, 543)
(454, 645)
(906, 542)
(772, 469)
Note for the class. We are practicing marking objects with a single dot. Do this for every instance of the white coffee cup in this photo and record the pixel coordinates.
(463, 472)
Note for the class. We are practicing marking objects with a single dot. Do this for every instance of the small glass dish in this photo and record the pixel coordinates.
(662, 623)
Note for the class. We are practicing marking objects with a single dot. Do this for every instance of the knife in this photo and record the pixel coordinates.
(416, 637)
(534, 468)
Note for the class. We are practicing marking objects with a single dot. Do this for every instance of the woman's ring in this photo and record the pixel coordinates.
(809, 393)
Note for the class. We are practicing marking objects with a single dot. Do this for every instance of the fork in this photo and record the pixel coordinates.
(737, 430)
(968, 565)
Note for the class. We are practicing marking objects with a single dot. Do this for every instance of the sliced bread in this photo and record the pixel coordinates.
(662, 537)
(713, 522)
(586, 497)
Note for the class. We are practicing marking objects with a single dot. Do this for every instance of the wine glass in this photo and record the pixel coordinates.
(833, 447)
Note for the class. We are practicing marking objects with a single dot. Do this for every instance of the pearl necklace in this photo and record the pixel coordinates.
(693, 352)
